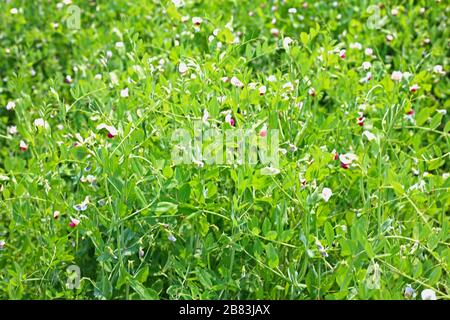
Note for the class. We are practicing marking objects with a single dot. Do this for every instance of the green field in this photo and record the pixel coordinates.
(118, 180)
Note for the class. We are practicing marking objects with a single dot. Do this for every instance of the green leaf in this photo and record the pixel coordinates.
(272, 256)
(166, 208)
(329, 232)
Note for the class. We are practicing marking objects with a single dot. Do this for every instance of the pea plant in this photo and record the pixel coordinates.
(224, 149)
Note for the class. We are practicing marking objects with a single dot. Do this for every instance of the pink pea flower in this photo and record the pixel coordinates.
(229, 119)
(275, 32)
(23, 146)
(347, 159)
(263, 131)
(112, 132)
(68, 79)
(360, 120)
(262, 90)
(335, 154)
(414, 87)
(197, 21)
(342, 54)
(74, 222)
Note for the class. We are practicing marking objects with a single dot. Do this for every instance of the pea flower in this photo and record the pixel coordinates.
(355, 45)
(112, 132)
(40, 123)
(414, 87)
(347, 159)
(366, 65)
(342, 54)
(428, 294)
(275, 32)
(369, 135)
(68, 79)
(286, 42)
(409, 292)
(89, 178)
(182, 68)
(321, 249)
(289, 86)
(141, 252)
(335, 154)
(56, 215)
(10, 105)
(326, 194)
(368, 52)
(74, 222)
(236, 82)
(312, 92)
(397, 75)
(197, 21)
(360, 120)
(171, 238)
(124, 93)
(83, 205)
(23, 146)
(262, 90)
(2, 244)
(229, 120)
(12, 130)
(438, 69)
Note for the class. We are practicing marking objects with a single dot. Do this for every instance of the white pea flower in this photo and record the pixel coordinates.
(12, 130)
(397, 75)
(356, 46)
(428, 294)
(124, 93)
(286, 42)
(262, 90)
(438, 69)
(368, 52)
(369, 135)
(10, 105)
(236, 82)
(182, 68)
(326, 194)
(366, 65)
(40, 123)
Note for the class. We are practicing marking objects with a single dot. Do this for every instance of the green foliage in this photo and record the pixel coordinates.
(154, 229)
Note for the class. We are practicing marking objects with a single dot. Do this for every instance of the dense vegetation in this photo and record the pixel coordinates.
(357, 207)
